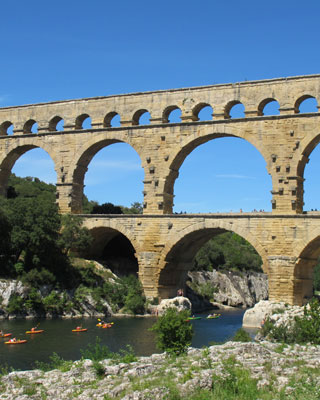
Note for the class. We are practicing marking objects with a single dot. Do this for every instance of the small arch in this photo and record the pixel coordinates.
(171, 114)
(30, 126)
(113, 248)
(112, 119)
(6, 128)
(234, 109)
(56, 124)
(269, 106)
(83, 121)
(202, 112)
(306, 104)
(141, 117)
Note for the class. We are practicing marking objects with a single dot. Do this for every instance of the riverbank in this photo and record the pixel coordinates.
(263, 370)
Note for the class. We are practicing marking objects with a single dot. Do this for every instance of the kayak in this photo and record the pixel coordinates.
(5, 335)
(80, 330)
(38, 331)
(213, 317)
(192, 319)
(16, 342)
(105, 326)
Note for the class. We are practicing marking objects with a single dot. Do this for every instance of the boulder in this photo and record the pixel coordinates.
(180, 303)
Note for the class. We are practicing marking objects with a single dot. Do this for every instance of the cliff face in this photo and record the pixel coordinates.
(236, 289)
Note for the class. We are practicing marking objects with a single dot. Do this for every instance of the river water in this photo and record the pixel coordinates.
(59, 338)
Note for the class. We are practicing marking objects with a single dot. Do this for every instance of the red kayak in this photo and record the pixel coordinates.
(80, 330)
(19, 341)
(5, 335)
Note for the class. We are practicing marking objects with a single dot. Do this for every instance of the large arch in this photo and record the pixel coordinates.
(79, 165)
(113, 236)
(178, 254)
(178, 155)
(308, 253)
(9, 159)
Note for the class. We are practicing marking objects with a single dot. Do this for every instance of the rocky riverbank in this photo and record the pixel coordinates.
(266, 368)
(208, 289)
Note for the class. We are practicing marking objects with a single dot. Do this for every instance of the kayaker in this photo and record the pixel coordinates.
(79, 327)
(13, 340)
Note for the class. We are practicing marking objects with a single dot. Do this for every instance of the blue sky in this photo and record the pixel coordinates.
(72, 49)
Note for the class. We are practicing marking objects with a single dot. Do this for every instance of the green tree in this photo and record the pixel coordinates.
(173, 333)
(73, 235)
(106, 208)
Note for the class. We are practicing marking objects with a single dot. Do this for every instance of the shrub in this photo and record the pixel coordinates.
(303, 329)
(15, 305)
(241, 336)
(96, 352)
(173, 333)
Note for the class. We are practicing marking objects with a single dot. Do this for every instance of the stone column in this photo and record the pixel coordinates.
(282, 283)
(148, 272)
(69, 197)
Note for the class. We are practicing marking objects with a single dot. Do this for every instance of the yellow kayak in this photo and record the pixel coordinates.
(35, 331)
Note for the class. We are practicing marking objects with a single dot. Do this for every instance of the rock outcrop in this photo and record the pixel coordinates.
(277, 312)
(236, 289)
(180, 303)
(273, 369)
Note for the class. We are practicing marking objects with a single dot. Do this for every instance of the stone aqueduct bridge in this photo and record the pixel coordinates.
(287, 239)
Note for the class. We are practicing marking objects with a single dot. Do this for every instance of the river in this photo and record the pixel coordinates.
(58, 336)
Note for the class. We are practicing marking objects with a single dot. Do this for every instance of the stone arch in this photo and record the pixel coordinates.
(229, 106)
(137, 115)
(167, 111)
(108, 118)
(4, 128)
(80, 119)
(114, 244)
(27, 127)
(300, 100)
(7, 162)
(177, 255)
(196, 110)
(178, 155)
(54, 122)
(263, 103)
(307, 254)
(308, 145)
(82, 158)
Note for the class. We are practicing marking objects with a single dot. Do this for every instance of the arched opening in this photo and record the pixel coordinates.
(308, 190)
(224, 175)
(307, 273)
(112, 120)
(203, 112)
(234, 109)
(306, 104)
(114, 250)
(30, 126)
(269, 107)
(112, 173)
(6, 128)
(141, 117)
(172, 114)
(206, 261)
(56, 124)
(27, 162)
(83, 122)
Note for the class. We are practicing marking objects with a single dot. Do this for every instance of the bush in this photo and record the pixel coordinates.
(303, 329)
(15, 305)
(241, 336)
(173, 333)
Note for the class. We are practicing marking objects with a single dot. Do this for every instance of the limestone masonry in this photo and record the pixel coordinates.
(287, 239)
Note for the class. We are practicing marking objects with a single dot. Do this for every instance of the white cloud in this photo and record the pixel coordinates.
(234, 176)
(118, 164)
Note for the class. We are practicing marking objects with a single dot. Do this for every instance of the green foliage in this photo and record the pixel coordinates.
(227, 251)
(304, 329)
(99, 369)
(36, 277)
(56, 362)
(73, 236)
(241, 336)
(316, 277)
(15, 304)
(98, 352)
(206, 289)
(173, 333)
(136, 208)
(106, 208)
